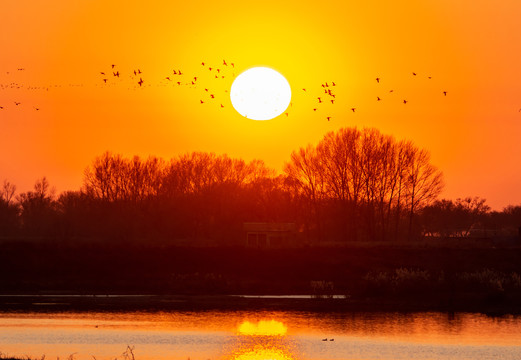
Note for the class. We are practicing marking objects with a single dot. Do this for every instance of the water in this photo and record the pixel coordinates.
(259, 335)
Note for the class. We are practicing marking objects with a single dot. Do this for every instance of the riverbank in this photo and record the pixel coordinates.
(63, 276)
(151, 303)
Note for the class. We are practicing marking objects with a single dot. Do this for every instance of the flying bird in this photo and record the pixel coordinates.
(232, 64)
(116, 73)
(222, 105)
(224, 63)
(378, 80)
(102, 73)
(445, 93)
(202, 102)
(405, 101)
(212, 96)
(113, 66)
(303, 89)
(319, 100)
(105, 80)
(202, 63)
(328, 118)
(316, 109)
(332, 101)
(378, 98)
(178, 72)
(17, 103)
(333, 84)
(353, 109)
(140, 82)
(414, 74)
(175, 72)
(287, 114)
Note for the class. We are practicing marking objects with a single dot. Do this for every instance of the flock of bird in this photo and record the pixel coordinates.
(224, 71)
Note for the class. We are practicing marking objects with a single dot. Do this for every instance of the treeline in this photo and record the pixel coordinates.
(353, 185)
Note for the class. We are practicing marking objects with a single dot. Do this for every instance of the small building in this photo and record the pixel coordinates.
(268, 235)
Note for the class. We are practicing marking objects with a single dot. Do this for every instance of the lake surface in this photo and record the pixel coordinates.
(259, 335)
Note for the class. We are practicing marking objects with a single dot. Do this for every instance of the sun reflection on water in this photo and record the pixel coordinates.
(263, 327)
(263, 340)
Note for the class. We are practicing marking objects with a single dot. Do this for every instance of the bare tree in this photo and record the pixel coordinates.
(7, 192)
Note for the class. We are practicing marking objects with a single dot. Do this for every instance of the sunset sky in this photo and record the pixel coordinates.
(470, 49)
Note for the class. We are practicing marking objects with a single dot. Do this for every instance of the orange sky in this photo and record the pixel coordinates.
(471, 49)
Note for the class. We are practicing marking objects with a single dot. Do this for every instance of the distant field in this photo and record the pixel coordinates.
(412, 276)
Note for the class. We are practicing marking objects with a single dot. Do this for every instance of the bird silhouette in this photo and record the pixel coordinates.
(116, 73)
(224, 63)
(175, 72)
(287, 114)
(135, 72)
(414, 74)
(179, 83)
(168, 78)
(233, 65)
(113, 66)
(378, 98)
(332, 101)
(105, 80)
(202, 102)
(353, 109)
(1, 107)
(445, 93)
(331, 339)
(195, 78)
(212, 96)
(178, 72)
(378, 80)
(333, 83)
(102, 73)
(202, 63)
(222, 105)
(17, 103)
(140, 82)
(303, 89)
(405, 101)
(324, 339)
(319, 100)
(316, 109)
(328, 118)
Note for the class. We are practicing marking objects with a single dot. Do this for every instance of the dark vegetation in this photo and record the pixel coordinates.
(370, 226)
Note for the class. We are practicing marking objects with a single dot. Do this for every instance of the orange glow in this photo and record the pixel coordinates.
(263, 327)
(467, 48)
(263, 353)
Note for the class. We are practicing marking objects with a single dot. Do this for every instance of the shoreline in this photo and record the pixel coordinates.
(45, 303)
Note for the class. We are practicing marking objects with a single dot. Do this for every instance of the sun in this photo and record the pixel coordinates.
(260, 93)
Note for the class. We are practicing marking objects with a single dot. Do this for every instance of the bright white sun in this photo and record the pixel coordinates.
(260, 93)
